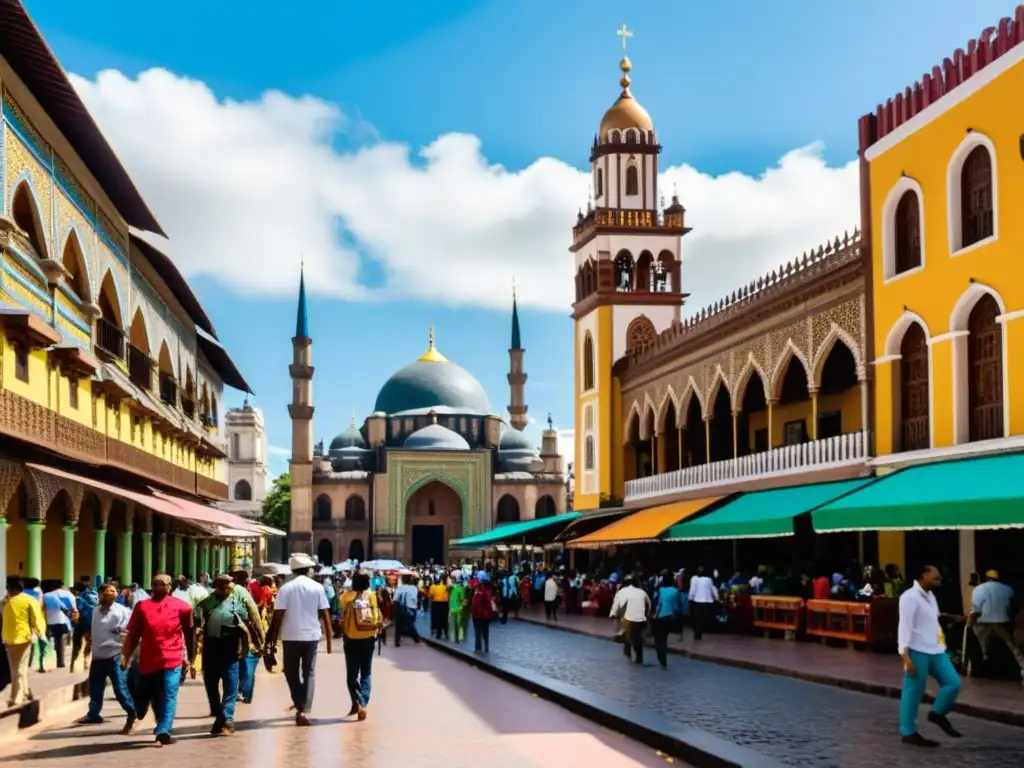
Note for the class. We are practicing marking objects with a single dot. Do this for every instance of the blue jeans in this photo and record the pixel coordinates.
(358, 666)
(220, 666)
(100, 671)
(247, 676)
(159, 689)
(941, 668)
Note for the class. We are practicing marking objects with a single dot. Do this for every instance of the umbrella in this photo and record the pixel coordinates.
(382, 565)
(345, 565)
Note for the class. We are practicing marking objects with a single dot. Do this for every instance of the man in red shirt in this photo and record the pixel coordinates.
(161, 628)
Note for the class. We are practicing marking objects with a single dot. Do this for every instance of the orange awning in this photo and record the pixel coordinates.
(645, 525)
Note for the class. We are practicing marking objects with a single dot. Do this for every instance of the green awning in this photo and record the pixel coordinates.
(762, 514)
(510, 532)
(985, 492)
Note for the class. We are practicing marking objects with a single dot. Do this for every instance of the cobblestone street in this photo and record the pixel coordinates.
(427, 710)
(803, 724)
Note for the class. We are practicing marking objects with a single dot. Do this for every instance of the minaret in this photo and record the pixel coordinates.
(300, 410)
(516, 376)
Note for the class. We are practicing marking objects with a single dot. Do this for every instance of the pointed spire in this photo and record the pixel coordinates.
(353, 417)
(432, 355)
(301, 321)
(516, 340)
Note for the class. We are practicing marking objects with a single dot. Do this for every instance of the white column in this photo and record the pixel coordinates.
(967, 566)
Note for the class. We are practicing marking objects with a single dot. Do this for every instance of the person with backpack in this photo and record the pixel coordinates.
(231, 626)
(361, 620)
(483, 610)
(81, 638)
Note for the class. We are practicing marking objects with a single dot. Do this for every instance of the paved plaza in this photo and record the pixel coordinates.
(796, 722)
(427, 711)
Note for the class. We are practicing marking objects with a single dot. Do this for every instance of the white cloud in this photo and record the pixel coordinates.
(277, 450)
(567, 446)
(243, 187)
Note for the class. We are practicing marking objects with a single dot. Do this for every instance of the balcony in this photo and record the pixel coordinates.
(847, 451)
(109, 339)
(140, 368)
(168, 389)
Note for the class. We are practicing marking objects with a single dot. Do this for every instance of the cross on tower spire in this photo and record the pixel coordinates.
(624, 32)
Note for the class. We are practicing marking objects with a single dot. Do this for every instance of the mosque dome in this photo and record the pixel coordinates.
(432, 382)
(434, 437)
(514, 440)
(516, 452)
(626, 112)
(350, 438)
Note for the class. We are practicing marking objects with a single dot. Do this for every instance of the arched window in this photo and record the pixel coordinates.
(545, 507)
(908, 232)
(588, 452)
(914, 431)
(632, 181)
(355, 508)
(600, 182)
(26, 216)
(588, 363)
(985, 370)
(640, 334)
(508, 509)
(243, 491)
(976, 209)
(322, 508)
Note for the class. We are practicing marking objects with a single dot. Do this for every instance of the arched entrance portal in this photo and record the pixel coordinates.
(432, 517)
(356, 551)
(325, 551)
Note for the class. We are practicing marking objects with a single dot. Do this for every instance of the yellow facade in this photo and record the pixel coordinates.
(605, 479)
(925, 154)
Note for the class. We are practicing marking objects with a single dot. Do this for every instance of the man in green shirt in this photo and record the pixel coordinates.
(226, 615)
(457, 607)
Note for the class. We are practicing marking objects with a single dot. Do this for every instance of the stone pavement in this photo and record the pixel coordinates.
(427, 710)
(796, 722)
(877, 673)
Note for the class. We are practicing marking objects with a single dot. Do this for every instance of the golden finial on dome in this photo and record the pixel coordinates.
(432, 355)
(626, 112)
(353, 417)
(625, 65)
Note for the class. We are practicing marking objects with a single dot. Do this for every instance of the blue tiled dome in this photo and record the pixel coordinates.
(429, 382)
(434, 437)
(350, 438)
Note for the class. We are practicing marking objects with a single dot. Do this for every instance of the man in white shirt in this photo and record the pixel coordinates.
(922, 646)
(109, 626)
(406, 599)
(302, 616)
(632, 607)
(703, 599)
(551, 598)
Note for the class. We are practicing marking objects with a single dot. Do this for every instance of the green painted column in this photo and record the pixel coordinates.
(179, 553)
(69, 555)
(125, 557)
(193, 561)
(100, 554)
(204, 557)
(3, 547)
(161, 553)
(147, 558)
(34, 567)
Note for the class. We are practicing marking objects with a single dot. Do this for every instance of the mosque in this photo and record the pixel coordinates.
(432, 464)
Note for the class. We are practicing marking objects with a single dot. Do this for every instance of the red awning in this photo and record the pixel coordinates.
(209, 514)
(164, 505)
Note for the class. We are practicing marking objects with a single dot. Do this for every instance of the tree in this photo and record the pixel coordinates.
(277, 505)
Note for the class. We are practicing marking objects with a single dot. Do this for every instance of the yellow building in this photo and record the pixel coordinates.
(767, 387)
(111, 378)
(941, 183)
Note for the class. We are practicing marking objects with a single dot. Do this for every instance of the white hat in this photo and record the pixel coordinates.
(298, 561)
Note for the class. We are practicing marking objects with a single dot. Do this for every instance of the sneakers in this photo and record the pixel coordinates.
(90, 720)
(163, 739)
(129, 724)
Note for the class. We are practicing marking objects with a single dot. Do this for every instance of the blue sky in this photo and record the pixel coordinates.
(732, 86)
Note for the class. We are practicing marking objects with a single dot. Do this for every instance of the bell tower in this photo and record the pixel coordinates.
(300, 529)
(628, 259)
